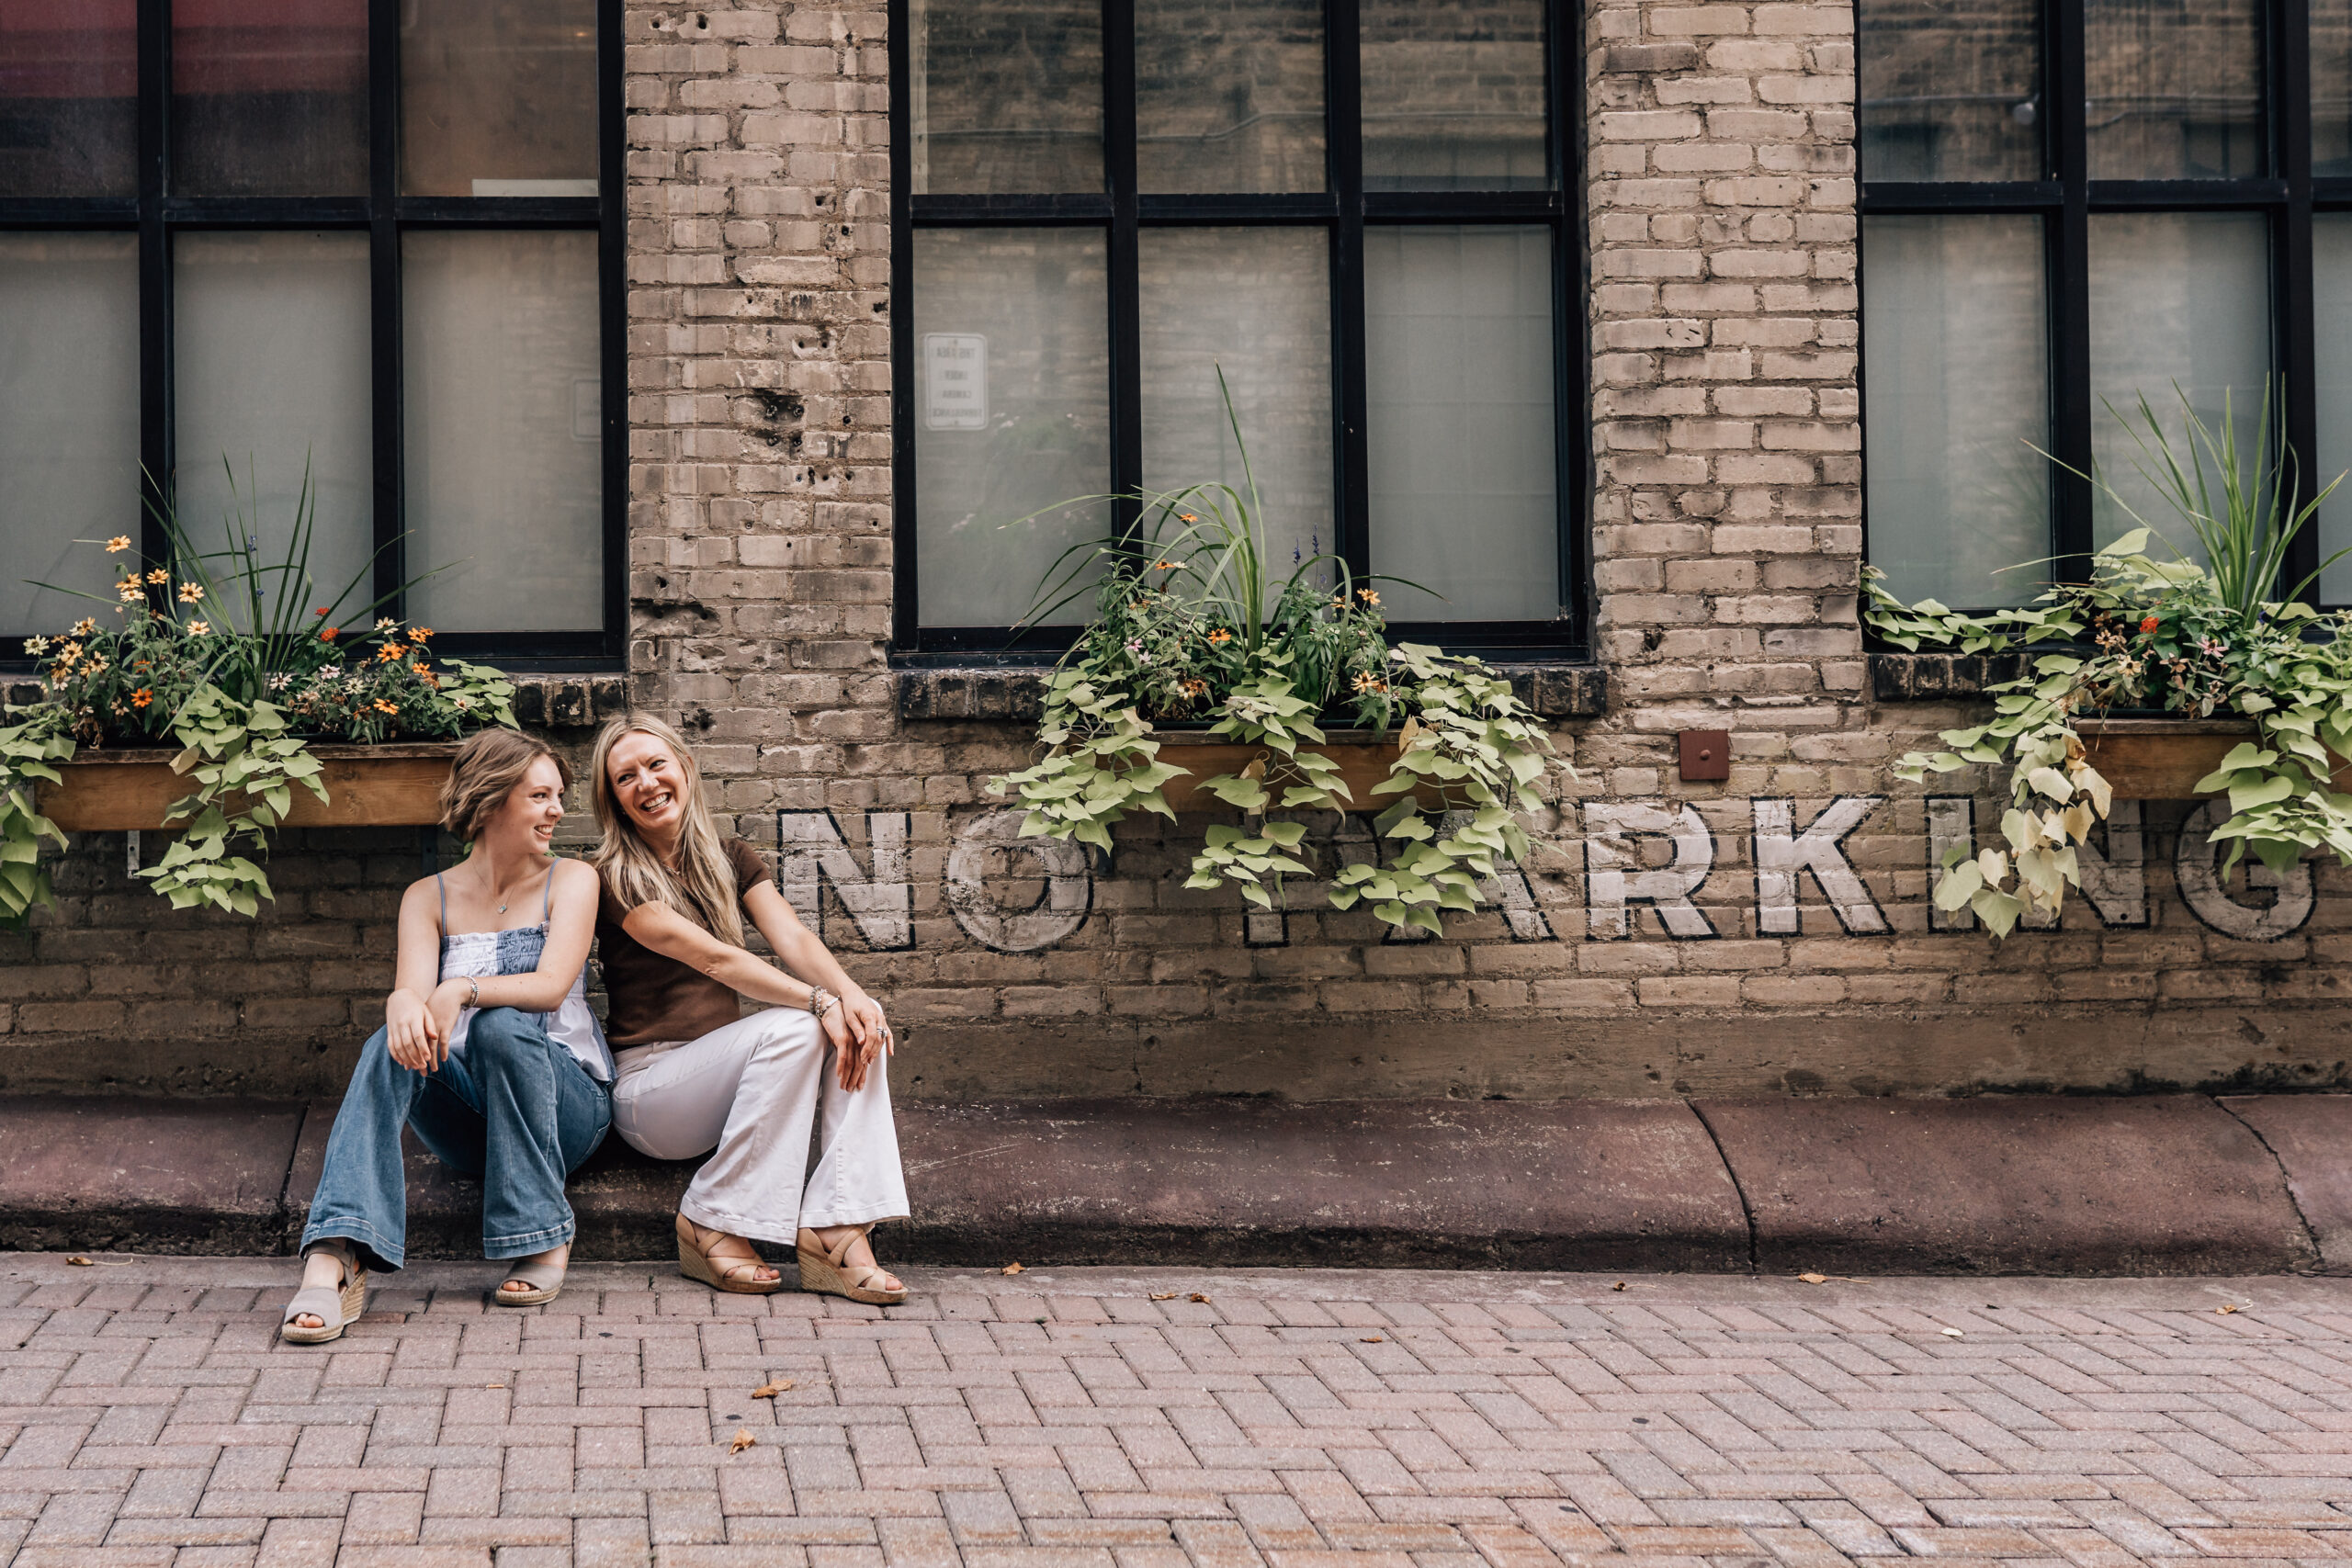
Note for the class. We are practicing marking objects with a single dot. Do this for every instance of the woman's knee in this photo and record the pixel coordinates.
(503, 1036)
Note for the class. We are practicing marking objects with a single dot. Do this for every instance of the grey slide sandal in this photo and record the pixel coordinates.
(545, 1277)
(336, 1307)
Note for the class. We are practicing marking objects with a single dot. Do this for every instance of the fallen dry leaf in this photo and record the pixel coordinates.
(78, 1261)
(1198, 1297)
(493, 1385)
(1814, 1278)
(1372, 1339)
(770, 1390)
(1012, 1269)
(1163, 1296)
(2226, 1309)
(743, 1439)
(1617, 1286)
(1949, 1333)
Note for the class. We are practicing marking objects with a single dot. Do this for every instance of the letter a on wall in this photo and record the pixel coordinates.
(880, 902)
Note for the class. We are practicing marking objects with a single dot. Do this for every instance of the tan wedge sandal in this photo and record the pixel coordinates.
(336, 1307)
(737, 1275)
(827, 1270)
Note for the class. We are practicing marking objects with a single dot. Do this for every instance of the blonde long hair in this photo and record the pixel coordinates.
(702, 885)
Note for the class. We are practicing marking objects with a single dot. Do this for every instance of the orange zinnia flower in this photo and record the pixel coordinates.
(327, 634)
(142, 696)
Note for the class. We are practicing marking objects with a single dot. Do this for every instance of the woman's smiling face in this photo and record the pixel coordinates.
(533, 808)
(648, 783)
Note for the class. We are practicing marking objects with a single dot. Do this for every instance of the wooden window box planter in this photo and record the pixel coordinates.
(2162, 759)
(1363, 759)
(367, 787)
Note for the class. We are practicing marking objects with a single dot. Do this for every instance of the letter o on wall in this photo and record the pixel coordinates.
(984, 845)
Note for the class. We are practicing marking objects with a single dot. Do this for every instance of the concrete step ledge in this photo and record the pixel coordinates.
(2167, 1184)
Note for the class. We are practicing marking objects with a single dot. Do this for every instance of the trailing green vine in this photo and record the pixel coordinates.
(1190, 625)
(220, 656)
(2195, 638)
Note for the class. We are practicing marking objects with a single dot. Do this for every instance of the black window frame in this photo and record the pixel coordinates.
(1345, 208)
(2287, 196)
(155, 216)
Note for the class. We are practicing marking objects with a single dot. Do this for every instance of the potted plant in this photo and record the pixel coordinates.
(206, 696)
(2257, 685)
(1192, 635)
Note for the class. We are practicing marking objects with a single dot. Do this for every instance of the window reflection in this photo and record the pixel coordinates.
(1006, 95)
(269, 97)
(498, 98)
(1229, 96)
(1950, 89)
(2331, 80)
(2175, 89)
(1453, 99)
(69, 80)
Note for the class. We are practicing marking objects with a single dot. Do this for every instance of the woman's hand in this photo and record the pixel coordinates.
(412, 1033)
(448, 1000)
(867, 1038)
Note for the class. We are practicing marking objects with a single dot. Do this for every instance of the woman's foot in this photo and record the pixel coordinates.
(723, 1262)
(839, 1260)
(536, 1278)
(334, 1295)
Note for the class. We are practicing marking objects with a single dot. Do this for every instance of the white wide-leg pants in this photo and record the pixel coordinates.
(750, 1092)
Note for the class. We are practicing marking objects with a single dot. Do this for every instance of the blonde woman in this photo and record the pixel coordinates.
(696, 1075)
(487, 1049)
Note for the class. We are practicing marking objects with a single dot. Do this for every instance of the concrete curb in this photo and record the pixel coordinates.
(2170, 1184)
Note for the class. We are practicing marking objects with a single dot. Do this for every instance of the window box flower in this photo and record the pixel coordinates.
(391, 785)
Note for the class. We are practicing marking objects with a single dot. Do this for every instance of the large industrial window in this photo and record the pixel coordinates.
(375, 240)
(1354, 208)
(2068, 205)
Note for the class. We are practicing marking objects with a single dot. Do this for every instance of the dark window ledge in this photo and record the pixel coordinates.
(1939, 677)
(541, 702)
(1553, 691)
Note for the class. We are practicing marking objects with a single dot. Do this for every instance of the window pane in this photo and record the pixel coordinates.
(498, 98)
(1007, 95)
(1013, 390)
(503, 433)
(1958, 389)
(2176, 297)
(271, 368)
(2332, 287)
(1459, 377)
(1950, 89)
(2175, 88)
(69, 77)
(1229, 96)
(1453, 100)
(69, 418)
(2331, 79)
(1256, 303)
(267, 99)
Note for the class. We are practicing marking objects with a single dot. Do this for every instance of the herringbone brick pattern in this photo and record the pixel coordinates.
(1068, 1419)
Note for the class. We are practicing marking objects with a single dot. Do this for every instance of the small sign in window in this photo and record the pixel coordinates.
(957, 381)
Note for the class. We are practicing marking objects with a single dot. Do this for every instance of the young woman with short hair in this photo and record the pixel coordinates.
(488, 1050)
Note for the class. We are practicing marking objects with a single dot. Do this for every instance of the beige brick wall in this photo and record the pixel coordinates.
(1726, 545)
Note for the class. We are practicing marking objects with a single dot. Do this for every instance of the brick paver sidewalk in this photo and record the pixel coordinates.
(1074, 1418)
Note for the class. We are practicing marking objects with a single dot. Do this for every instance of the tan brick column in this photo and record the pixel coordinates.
(1726, 420)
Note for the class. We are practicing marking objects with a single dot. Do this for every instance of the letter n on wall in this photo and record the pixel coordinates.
(812, 854)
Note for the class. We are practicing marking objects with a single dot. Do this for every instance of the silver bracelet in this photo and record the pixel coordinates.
(473, 990)
(820, 1001)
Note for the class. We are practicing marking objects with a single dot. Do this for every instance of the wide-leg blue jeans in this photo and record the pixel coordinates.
(513, 1108)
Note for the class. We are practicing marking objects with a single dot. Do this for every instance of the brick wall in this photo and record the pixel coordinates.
(1767, 934)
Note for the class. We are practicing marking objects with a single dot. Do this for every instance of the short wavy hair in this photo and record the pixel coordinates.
(487, 768)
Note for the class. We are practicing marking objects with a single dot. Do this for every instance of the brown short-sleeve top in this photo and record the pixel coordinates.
(655, 997)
